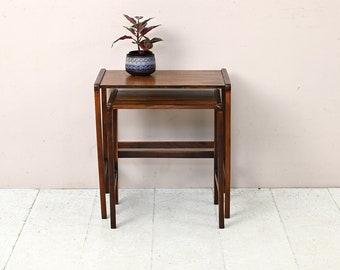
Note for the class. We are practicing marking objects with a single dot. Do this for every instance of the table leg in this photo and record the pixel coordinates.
(227, 129)
(215, 158)
(110, 170)
(220, 177)
(115, 149)
(104, 101)
(101, 165)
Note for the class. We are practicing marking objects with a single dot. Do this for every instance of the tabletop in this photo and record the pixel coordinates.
(165, 79)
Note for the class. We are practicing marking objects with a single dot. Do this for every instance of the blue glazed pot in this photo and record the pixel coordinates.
(140, 64)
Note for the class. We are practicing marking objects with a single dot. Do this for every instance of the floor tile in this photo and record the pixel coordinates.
(335, 194)
(254, 237)
(15, 206)
(128, 246)
(54, 233)
(170, 229)
(186, 234)
(312, 223)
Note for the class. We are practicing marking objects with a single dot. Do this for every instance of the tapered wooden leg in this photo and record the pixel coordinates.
(215, 158)
(227, 130)
(220, 177)
(215, 191)
(104, 124)
(111, 175)
(101, 162)
(115, 150)
(116, 188)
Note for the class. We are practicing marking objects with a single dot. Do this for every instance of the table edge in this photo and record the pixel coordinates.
(224, 75)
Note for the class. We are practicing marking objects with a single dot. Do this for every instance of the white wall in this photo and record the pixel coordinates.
(284, 62)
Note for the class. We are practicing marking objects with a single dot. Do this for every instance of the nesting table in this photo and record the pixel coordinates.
(164, 89)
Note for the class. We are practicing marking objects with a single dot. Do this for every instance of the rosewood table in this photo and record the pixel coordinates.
(165, 89)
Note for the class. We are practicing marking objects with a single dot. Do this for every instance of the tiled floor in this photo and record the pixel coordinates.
(170, 229)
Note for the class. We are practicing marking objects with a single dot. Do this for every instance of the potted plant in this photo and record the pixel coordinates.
(142, 61)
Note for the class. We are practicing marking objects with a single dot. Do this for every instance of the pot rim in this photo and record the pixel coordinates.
(136, 53)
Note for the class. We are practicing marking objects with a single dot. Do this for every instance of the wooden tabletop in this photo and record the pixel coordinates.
(164, 79)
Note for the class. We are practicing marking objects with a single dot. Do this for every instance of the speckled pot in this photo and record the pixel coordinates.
(140, 64)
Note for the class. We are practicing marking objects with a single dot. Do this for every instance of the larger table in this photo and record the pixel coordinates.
(165, 89)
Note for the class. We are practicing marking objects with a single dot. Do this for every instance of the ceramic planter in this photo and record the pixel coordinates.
(140, 64)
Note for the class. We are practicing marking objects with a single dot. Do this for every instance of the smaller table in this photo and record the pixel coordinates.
(163, 90)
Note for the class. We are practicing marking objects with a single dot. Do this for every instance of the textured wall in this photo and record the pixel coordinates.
(284, 62)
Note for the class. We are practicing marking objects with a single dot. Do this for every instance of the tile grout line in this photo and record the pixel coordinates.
(87, 229)
(284, 229)
(22, 228)
(334, 201)
(153, 226)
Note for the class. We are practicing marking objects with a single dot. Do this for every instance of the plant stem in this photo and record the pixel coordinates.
(138, 38)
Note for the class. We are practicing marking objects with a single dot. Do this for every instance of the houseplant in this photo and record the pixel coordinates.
(142, 61)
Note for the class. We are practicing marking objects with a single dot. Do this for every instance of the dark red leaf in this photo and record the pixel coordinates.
(154, 40)
(148, 29)
(138, 27)
(131, 20)
(146, 44)
(144, 23)
(132, 30)
(122, 38)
